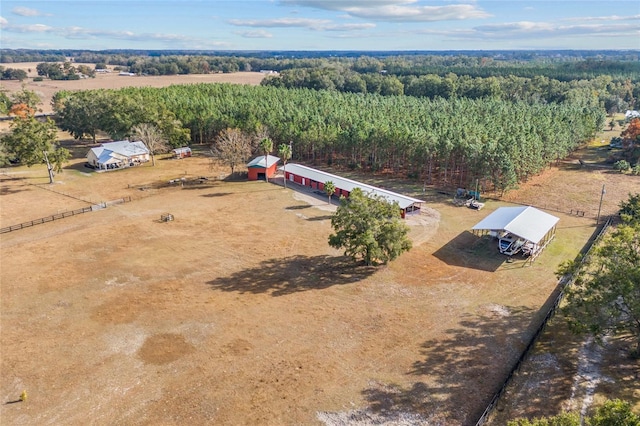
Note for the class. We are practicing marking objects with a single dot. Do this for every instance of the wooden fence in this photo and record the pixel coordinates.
(63, 215)
(562, 284)
(45, 219)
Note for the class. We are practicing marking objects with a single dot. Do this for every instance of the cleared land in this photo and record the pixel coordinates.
(239, 312)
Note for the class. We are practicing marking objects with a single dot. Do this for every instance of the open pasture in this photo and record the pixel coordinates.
(238, 311)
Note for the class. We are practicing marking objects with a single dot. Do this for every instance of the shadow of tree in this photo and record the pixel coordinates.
(470, 251)
(280, 277)
(460, 373)
(216, 194)
(320, 218)
(306, 206)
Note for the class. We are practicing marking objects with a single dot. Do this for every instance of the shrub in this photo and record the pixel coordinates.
(621, 165)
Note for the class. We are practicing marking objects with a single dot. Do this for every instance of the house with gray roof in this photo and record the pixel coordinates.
(118, 155)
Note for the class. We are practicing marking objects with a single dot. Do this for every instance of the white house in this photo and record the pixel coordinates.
(116, 155)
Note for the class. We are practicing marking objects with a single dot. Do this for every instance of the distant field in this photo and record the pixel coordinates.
(47, 88)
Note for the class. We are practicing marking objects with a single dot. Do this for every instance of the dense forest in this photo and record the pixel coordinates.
(547, 76)
(446, 142)
(445, 118)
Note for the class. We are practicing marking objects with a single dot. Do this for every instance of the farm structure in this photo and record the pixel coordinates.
(183, 152)
(315, 179)
(116, 155)
(522, 229)
(259, 170)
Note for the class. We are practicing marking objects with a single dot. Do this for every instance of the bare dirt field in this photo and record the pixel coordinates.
(47, 88)
(238, 311)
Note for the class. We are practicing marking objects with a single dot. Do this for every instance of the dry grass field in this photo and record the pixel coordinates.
(238, 311)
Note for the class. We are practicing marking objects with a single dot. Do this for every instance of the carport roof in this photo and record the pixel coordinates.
(526, 222)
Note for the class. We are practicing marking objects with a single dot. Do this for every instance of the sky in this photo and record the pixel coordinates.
(367, 25)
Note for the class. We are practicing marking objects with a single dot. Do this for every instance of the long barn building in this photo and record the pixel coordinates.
(315, 179)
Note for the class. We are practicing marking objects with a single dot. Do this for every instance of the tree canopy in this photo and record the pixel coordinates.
(369, 228)
(33, 142)
(605, 297)
(443, 142)
(613, 412)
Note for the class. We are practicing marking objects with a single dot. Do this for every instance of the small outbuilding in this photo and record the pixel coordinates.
(183, 152)
(261, 169)
(522, 229)
(117, 155)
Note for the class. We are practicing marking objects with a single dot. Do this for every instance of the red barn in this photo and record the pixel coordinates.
(258, 170)
(315, 179)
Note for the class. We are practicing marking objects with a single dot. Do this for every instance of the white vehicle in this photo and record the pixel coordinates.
(510, 244)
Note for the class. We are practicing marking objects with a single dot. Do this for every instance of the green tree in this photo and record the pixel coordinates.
(152, 137)
(605, 297)
(370, 228)
(33, 142)
(5, 102)
(26, 97)
(266, 145)
(613, 412)
(563, 419)
(284, 151)
(630, 209)
(329, 189)
(80, 113)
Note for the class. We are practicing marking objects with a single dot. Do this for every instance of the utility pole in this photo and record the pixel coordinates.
(600, 206)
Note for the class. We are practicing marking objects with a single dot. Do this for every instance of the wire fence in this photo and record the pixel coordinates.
(563, 283)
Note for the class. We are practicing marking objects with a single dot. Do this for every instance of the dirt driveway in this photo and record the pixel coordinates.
(238, 311)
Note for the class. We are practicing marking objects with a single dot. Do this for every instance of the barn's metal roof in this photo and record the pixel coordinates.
(259, 161)
(526, 222)
(348, 184)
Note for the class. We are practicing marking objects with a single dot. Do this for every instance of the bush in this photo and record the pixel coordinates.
(621, 166)
(636, 170)
(38, 79)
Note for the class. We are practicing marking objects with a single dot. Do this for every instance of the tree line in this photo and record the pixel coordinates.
(441, 141)
(614, 95)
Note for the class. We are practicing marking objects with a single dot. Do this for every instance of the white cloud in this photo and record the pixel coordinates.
(25, 11)
(539, 30)
(80, 33)
(607, 18)
(280, 22)
(395, 10)
(312, 24)
(3, 22)
(255, 34)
